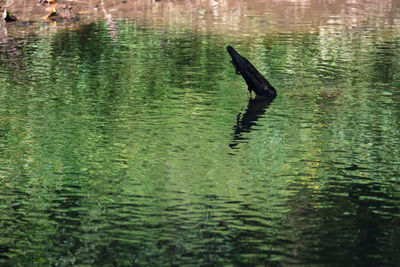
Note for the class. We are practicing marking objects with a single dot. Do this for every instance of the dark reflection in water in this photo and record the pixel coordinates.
(113, 148)
(245, 122)
(65, 213)
(353, 219)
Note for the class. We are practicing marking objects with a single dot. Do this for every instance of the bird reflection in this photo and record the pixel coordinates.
(245, 122)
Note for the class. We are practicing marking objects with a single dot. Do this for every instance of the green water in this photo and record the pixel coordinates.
(140, 147)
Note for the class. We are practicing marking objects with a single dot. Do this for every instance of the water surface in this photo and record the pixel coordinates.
(134, 143)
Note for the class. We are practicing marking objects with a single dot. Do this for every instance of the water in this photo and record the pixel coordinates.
(134, 142)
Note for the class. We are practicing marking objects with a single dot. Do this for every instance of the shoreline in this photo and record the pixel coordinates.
(229, 17)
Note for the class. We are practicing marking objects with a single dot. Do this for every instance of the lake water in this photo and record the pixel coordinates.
(130, 141)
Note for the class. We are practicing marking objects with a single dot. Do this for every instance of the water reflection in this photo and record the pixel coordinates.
(261, 18)
(113, 145)
(350, 215)
(246, 121)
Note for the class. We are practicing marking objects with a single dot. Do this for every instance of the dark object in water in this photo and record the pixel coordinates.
(265, 94)
(255, 81)
(8, 17)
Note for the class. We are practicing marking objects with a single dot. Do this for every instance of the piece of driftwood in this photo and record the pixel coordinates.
(254, 80)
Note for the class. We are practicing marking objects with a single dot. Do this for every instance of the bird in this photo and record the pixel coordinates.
(255, 81)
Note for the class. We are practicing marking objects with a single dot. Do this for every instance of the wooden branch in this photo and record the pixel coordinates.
(254, 80)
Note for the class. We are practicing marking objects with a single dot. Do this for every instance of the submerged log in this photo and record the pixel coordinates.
(254, 80)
